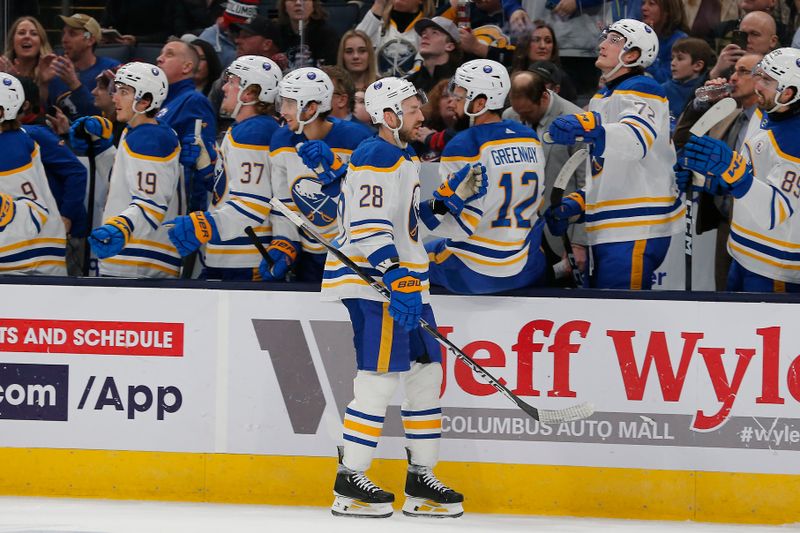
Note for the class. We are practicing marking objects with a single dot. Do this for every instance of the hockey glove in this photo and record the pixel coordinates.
(557, 216)
(567, 128)
(461, 187)
(283, 254)
(714, 157)
(109, 239)
(316, 154)
(96, 128)
(7, 210)
(683, 176)
(191, 231)
(405, 303)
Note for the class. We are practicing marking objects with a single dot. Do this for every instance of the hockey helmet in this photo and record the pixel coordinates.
(389, 93)
(12, 96)
(306, 85)
(638, 35)
(783, 66)
(483, 77)
(145, 79)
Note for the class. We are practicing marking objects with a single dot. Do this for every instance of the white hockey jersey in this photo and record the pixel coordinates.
(632, 193)
(34, 241)
(492, 235)
(378, 206)
(297, 186)
(765, 230)
(243, 167)
(143, 188)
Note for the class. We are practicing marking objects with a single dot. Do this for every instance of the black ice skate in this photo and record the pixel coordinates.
(355, 495)
(427, 496)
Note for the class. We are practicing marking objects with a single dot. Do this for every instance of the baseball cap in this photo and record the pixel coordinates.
(547, 70)
(440, 23)
(84, 22)
(259, 25)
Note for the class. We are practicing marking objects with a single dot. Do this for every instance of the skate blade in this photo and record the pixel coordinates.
(343, 506)
(423, 507)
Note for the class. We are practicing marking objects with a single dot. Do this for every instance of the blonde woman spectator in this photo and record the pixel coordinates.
(357, 56)
(390, 26)
(26, 44)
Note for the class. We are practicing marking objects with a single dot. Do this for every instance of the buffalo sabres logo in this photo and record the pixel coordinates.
(413, 216)
(316, 206)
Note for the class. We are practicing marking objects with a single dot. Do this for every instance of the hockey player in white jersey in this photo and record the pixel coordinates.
(764, 180)
(631, 205)
(32, 233)
(242, 174)
(494, 244)
(379, 213)
(308, 157)
(143, 188)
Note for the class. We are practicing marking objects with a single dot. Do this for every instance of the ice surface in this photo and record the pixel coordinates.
(51, 515)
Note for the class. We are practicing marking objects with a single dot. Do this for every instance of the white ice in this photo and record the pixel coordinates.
(51, 515)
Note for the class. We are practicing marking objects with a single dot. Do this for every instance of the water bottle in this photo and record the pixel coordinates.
(462, 14)
(712, 93)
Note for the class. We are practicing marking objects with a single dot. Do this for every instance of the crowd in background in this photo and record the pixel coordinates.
(548, 47)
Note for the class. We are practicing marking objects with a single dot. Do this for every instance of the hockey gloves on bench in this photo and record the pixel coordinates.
(109, 239)
(317, 156)
(405, 303)
(198, 161)
(283, 253)
(713, 157)
(189, 232)
(567, 128)
(96, 128)
(461, 187)
(557, 216)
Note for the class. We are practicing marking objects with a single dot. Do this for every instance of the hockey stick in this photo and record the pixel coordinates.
(259, 246)
(545, 416)
(87, 252)
(564, 175)
(188, 263)
(708, 120)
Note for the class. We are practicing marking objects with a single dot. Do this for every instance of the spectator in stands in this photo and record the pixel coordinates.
(703, 16)
(344, 94)
(541, 44)
(578, 25)
(441, 55)
(196, 15)
(209, 69)
(440, 120)
(26, 45)
(221, 34)
(360, 111)
(761, 39)
(103, 93)
(260, 37)
(485, 37)
(536, 106)
(723, 31)
(182, 107)
(668, 19)
(320, 39)
(65, 174)
(691, 60)
(357, 56)
(67, 81)
(142, 21)
(390, 26)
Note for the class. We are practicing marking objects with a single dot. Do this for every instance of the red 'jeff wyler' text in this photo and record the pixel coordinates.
(671, 367)
(91, 337)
